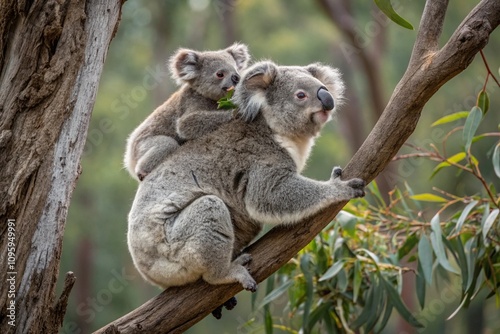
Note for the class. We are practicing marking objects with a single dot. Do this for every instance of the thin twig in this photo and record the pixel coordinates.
(488, 69)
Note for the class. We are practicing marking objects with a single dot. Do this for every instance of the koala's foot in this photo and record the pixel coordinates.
(217, 313)
(229, 305)
(247, 281)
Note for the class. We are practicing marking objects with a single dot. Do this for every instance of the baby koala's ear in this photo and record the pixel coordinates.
(330, 77)
(184, 65)
(250, 94)
(240, 54)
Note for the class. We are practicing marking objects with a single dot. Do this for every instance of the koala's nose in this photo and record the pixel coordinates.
(235, 78)
(326, 98)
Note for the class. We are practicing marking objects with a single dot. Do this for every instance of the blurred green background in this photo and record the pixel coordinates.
(135, 81)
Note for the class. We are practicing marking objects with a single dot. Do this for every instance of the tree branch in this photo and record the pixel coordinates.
(177, 309)
(431, 26)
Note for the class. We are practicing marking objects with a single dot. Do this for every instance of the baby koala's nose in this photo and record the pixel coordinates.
(326, 98)
(235, 78)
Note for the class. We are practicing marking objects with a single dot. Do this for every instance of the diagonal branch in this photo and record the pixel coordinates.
(177, 309)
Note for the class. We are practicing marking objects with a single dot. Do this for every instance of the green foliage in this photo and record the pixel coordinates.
(386, 7)
(349, 278)
(225, 102)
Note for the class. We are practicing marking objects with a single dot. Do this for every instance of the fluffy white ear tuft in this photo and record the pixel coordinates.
(184, 65)
(250, 94)
(240, 54)
(330, 77)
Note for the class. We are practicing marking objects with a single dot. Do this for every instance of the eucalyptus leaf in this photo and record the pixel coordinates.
(463, 216)
(451, 117)
(483, 101)
(496, 159)
(318, 313)
(488, 224)
(276, 293)
(386, 7)
(225, 102)
(427, 197)
(399, 305)
(358, 278)
(407, 246)
(333, 270)
(470, 254)
(437, 245)
(385, 319)
(471, 125)
(367, 309)
(425, 258)
(305, 263)
(420, 286)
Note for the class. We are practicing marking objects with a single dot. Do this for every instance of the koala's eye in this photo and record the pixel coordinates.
(220, 74)
(301, 95)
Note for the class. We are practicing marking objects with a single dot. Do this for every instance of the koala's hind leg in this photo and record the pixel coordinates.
(151, 152)
(207, 234)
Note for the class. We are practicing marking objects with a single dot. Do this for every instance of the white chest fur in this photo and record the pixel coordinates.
(299, 149)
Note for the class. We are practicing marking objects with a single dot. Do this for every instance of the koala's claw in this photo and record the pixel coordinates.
(336, 172)
(359, 187)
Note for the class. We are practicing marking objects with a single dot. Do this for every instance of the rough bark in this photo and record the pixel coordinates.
(177, 309)
(52, 55)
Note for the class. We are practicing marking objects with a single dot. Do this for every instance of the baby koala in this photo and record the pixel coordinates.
(205, 78)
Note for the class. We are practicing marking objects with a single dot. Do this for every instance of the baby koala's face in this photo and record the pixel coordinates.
(211, 73)
(218, 75)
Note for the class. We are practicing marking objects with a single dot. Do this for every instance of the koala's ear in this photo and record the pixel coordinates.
(330, 77)
(250, 94)
(240, 54)
(184, 65)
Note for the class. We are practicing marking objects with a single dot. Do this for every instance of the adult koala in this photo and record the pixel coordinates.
(193, 215)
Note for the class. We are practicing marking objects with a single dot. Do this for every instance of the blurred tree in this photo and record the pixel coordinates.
(52, 55)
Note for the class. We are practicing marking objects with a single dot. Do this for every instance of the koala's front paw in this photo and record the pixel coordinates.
(358, 186)
(336, 172)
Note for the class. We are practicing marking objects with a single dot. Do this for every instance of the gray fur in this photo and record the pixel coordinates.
(196, 71)
(194, 214)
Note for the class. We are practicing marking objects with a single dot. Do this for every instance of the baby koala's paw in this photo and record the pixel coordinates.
(336, 172)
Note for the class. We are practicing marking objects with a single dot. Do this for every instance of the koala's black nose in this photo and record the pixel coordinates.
(235, 78)
(326, 98)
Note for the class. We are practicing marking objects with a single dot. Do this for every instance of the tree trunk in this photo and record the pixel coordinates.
(179, 308)
(52, 55)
